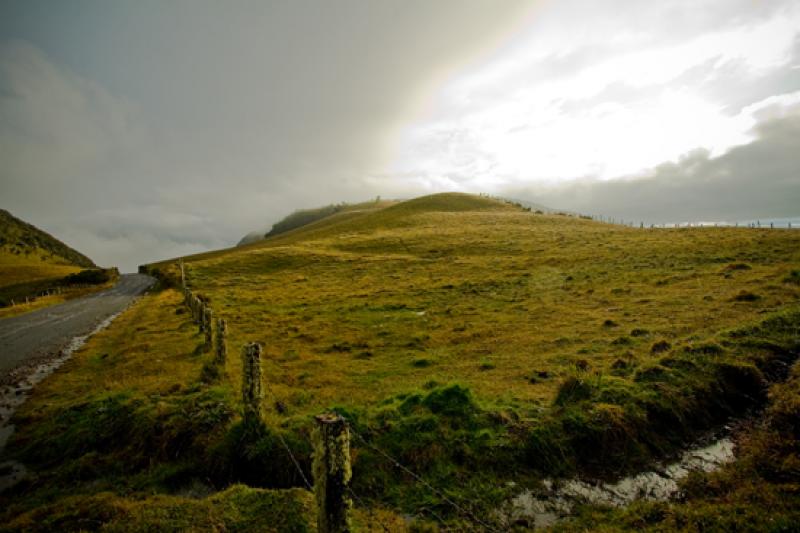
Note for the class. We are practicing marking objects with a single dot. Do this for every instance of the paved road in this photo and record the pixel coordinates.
(45, 331)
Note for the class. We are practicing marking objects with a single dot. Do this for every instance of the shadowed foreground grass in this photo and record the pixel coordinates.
(760, 491)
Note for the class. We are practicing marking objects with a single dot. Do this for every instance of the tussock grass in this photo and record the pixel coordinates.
(473, 341)
(757, 492)
(349, 310)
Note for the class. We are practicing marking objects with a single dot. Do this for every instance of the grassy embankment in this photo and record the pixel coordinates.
(476, 342)
(33, 263)
(760, 491)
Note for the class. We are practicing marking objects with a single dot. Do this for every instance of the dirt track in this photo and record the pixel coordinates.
(44, 332)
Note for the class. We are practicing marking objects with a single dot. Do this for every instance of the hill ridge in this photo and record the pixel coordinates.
(19, 237)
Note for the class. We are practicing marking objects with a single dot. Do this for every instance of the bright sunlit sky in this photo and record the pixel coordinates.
(142, 130)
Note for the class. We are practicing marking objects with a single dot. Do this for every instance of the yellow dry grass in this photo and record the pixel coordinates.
(460, 288)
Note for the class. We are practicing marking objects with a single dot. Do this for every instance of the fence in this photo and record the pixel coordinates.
(331, 437)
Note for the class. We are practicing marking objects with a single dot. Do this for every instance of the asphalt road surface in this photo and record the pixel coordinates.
(44, 332)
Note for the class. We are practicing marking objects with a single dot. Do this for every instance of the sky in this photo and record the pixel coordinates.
(148, 129)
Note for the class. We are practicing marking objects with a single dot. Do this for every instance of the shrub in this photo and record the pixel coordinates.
(93, 276)
(660, 346)
(573, 390)
(793, 277)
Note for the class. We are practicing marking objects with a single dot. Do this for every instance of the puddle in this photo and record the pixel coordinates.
(555, 499)
(22, 380)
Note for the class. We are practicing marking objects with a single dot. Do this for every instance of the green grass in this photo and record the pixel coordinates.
(31, 262)
(29, 287)
(359, 310)
(27, 243)
(760, 491)
(474, 341)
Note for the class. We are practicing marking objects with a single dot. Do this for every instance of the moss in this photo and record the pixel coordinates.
(237, 508)
(573, 390)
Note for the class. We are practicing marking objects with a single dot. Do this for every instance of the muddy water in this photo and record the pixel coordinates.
(12, 396)
(555, 499)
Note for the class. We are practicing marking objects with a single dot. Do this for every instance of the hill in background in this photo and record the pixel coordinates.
(29, 244)
(304, 217)
(32, 263)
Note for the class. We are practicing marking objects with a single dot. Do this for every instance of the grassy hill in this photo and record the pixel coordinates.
(475, 342)
(30, 245)
(33, 262)
(304, 217)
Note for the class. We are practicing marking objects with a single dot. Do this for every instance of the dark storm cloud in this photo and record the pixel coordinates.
(130, 127)
(756, 180)
(147, 129)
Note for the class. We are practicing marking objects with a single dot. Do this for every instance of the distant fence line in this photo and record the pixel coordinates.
(642, 224)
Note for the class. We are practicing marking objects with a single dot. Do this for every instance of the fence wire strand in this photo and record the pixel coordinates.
(464, 511)
(288, 450)
(369, 509)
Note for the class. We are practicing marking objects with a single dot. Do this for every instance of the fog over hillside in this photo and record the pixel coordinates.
(142, 130)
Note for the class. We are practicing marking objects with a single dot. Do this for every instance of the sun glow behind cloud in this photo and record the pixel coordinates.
(560, 104)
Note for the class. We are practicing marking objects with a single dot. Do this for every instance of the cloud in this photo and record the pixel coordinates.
(141, 131)
(756, 180)
(606, 90)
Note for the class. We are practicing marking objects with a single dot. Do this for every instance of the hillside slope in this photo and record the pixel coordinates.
(479, 345)
(32, 263)
(475, 288)
(29, 244)
(305, 217)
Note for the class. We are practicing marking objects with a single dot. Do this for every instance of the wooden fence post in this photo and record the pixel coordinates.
(251, 382)
(208, 321)
(332, 474)
(201, 316)
(183, 275)
(222, 341)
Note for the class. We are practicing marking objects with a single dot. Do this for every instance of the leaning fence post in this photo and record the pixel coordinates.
(251, 382)
(208, 320)
(332, 474)
(222, 340)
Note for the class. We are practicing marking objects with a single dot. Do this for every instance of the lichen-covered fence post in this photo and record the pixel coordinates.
(251, 382)
(195, 307)
(332, 474)
(208, 321)
(222, 341)
(201, 316)
(183, 274)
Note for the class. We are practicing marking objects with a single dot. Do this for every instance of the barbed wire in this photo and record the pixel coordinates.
(464, 511)
(369, 510)
(288, 450)
(435, 516)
